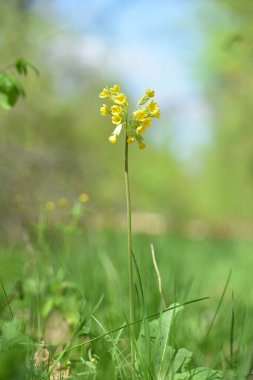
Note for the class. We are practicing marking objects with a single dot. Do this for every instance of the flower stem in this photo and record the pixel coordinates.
(130, 254)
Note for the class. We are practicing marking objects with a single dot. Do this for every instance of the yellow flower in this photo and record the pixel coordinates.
(104, 110)
(140, 115)
(152, 106)
(150, 93)
(115, 133)
(50, 206)
(115, 89)
(105, 93)
(116, 119)
(130, 139)
(115, 110)
(63, 202)
(143, 126)
(156, 113)
(146, 122)
(120, 99)
(140, 130)
(142, 145)
(84, 197)
(136, 123)
(112, 139)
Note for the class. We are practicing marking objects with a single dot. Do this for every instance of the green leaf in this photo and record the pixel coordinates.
(11, 334)
(47, 307)
(182, 359)
(159, 329)
(22, 66)
(200, 373)
(10, 90)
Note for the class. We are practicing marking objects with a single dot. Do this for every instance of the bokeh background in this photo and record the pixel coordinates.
(196, 174)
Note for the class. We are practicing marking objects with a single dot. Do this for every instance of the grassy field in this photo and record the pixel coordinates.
(52, 288)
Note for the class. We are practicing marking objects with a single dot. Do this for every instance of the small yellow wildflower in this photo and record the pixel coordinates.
(63, 202)
(152, 106)
(105, 93)
(130, 139)
(146, 122)
(112, 139)
(140, 130)
(143, 126)
(84, 197)
(115, 89)
(116, 119)
(116, 110)
(156, 113)
(104, 110)
(50, 206)
(142, 145)
(150, 93)
(140, 115)
(120, 99)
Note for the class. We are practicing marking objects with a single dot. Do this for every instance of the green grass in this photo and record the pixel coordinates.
(97, 265)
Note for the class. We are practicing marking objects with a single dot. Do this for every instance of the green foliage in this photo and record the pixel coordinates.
(22, 66)
(167, 362)
(85, 288)
(13, 350)
(11, 89)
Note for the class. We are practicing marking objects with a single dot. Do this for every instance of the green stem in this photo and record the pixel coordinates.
(130, 254)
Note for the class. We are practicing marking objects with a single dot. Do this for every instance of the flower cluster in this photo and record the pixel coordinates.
(135, 124)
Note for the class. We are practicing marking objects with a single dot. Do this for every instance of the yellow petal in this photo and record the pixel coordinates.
(150, 93)
(63, 202)
(112, 139)
(50, 206)
(105, 93)
(104, 110)
(140, 115)
(120, 99)
(115, 89)
(116, 110)
(130, 139)
(84, 197)
(116, 119)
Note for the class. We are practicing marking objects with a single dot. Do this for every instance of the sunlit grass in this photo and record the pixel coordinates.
(96, 267)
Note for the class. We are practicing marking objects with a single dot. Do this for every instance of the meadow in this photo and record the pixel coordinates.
(56, 289)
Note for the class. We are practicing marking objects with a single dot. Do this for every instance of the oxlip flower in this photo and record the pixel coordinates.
(104, 110)
(135, 123)
(119, 99)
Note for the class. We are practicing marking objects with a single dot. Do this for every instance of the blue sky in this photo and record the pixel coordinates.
(150, 44)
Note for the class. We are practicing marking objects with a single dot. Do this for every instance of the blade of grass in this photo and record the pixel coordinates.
(6, 298)
(219, 305)
(232, 334)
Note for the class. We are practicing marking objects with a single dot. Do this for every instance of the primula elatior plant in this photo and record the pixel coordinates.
(135, 125)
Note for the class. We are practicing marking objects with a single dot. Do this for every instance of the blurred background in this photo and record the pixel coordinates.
(195, 176)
